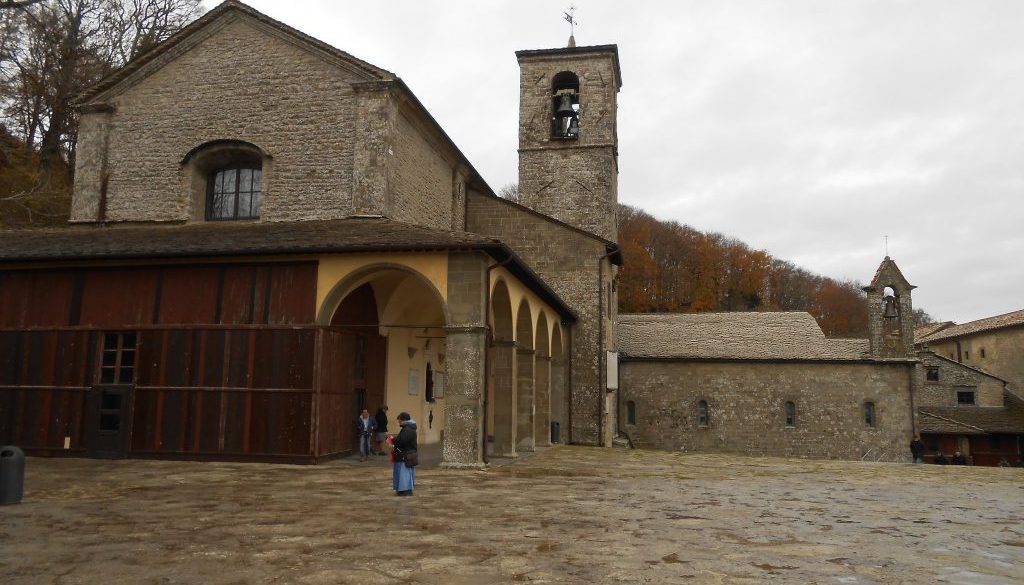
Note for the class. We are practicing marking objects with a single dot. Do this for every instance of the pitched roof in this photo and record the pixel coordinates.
(1013, 319)
(926, 330)
(891, 274)
(960, 419)
(372, 72)
(213, 239)
(733, 336)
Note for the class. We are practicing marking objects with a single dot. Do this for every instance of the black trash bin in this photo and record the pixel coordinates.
(12, 475)
(556, 432)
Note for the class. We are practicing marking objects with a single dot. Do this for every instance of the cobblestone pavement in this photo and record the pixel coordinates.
(566, 515)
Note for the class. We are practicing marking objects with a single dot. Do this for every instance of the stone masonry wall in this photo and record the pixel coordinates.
(1004, 353)
(568, 262)
(240, 83)
(747, 408)
(422, 190)
(953, 377)
(573, 181)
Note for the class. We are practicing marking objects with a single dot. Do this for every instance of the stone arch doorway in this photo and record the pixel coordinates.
(501, 390)
(525, 363)
(384, 326)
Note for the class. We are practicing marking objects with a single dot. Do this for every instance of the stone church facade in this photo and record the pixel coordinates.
(269, 234)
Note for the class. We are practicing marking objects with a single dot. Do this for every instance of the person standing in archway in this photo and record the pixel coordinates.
(365, 426)
(382, 429)
(405, 456)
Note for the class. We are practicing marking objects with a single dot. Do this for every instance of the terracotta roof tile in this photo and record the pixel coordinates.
(1013, 319)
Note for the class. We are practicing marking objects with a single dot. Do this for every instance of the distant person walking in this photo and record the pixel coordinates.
(917, 449)
(405, 456)
(382, 428)
(365, 426)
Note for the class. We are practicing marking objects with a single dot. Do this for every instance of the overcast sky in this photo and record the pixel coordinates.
(810, 129)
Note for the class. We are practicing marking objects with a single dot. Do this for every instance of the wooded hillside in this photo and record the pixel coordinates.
(674, 268)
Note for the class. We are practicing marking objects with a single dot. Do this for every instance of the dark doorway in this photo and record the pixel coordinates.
(108, 421)
(108, 407)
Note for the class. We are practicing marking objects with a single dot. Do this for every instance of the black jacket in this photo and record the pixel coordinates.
(382, 421)
(917, 448)
(405, 440)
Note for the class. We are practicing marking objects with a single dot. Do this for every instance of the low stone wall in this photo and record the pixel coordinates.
(747, 408)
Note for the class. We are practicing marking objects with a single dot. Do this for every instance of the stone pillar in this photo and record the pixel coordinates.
(542, 408)
(525, 399)
(559, 399)
(503, 369)
(463, 399)
(465, 356)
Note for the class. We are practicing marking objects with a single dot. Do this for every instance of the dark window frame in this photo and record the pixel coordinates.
(870, 414)
(255, 195)
(630, 412)
(790, 411)
(703, 414)
(962, 394)
(118, 358)
(932, 374)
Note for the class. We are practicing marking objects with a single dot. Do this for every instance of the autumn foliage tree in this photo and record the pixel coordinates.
(50, 52)
(671, 267)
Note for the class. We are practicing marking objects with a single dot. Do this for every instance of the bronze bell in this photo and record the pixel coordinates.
(890, 308)
(565, 107)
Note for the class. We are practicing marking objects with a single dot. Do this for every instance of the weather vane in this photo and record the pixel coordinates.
(570, 17)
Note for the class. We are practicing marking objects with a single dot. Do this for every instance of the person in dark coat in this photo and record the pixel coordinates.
(404, 477)
(365, 427)
(917, 449)
(959, 459)
(381, 434)
(940, 459)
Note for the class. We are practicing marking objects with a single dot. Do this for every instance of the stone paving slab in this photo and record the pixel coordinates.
(565, 515)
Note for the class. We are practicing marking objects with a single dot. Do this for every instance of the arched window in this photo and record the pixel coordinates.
(790, 414)
(869, 414)
(225, 179)
(703, 416)
(565, 103)
(234, 192)
(630, 412)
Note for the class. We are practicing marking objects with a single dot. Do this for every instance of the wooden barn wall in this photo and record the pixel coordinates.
(225, 356)
(225, 392)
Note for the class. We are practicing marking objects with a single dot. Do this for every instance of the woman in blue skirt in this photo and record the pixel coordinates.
(404, 478)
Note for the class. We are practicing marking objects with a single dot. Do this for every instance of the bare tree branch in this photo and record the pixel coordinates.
(17, 3)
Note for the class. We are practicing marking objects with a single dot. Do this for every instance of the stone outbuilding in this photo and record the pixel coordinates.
(760, 384)
(993, 344)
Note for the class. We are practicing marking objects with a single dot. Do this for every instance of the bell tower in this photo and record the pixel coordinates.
(568, 141)
(890, 312)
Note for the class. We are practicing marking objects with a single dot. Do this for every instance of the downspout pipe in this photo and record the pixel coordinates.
(603, 357)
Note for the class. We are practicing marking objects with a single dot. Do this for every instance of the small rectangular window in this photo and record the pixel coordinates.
(869, 414)
(967, 355)
(965, 397)
(983, 353)
(790, 414)
(703, 416)
(933, 374)
(630, 413)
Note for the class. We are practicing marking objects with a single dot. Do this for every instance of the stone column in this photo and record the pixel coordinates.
(525, 399)
(465, 355)
(542, 409)
(503, 369)
(463, 399)
(559, 399)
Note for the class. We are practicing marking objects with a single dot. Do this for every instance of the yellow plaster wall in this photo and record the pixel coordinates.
(517, 292)
(335, 268)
